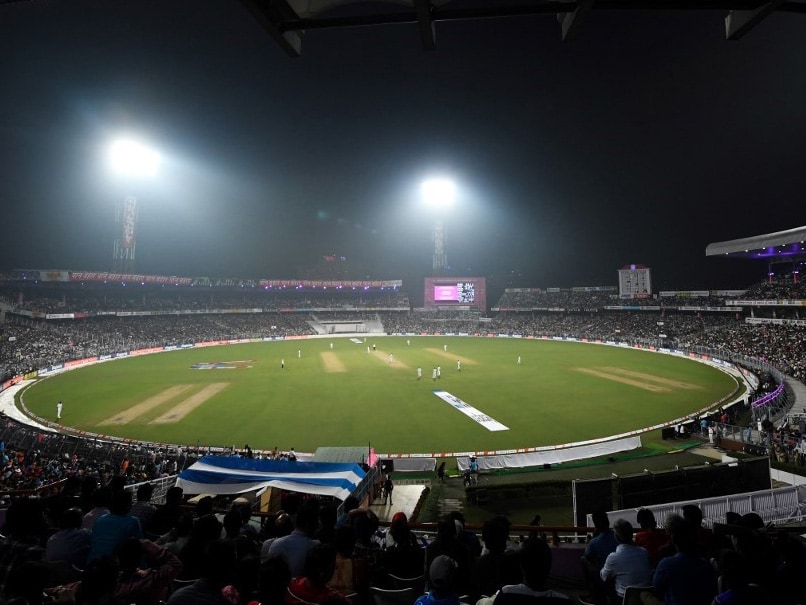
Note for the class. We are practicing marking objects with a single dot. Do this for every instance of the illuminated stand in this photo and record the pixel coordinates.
(130, 160)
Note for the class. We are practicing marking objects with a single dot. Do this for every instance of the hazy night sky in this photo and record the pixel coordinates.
(643, 141)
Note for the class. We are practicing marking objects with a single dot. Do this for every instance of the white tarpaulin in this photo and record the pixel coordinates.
(551, 455)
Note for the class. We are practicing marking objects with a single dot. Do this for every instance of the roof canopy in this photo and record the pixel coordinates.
(771, 245)
(231, 475)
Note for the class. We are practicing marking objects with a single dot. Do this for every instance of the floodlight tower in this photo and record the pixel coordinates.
(131, 161)
(439, 195)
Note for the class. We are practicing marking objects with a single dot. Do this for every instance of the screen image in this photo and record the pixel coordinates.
(446, 293)
(467, 292)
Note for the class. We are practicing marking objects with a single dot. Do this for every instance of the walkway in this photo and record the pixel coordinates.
(405, 498)
(799, 390)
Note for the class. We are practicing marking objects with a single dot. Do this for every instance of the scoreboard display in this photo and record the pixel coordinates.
(457, 292)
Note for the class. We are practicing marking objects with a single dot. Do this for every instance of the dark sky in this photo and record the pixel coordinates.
(643, 141)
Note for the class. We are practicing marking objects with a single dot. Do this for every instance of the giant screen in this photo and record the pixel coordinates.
(456, 292)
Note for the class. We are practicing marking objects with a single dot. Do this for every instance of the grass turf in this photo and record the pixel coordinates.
(366, 399)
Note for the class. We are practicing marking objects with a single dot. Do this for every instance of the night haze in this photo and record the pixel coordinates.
(642, 141)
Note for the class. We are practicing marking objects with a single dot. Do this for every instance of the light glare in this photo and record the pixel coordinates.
(132, 158)
(439, 193)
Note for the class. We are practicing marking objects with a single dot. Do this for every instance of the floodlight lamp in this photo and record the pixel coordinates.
(438, 193)
(131, 158)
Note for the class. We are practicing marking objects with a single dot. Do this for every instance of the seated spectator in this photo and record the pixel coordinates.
(26, 584)
(142, 509)
(468, 538)
(791, 569)
(327, 523)
(498, 566)
(22, 536)
(402, 555)
(350, 574)
(685, 578)
(447, 543)
(650, 537)
(282, 525)
(597, 550)
(295, 546)
(176, 539)
(149, 584)
(166, 517)
(101, 498)
(312, 587)
(217, 567)
(629, 564)
(98, 583)
(535, 565)
(70, 544)
(109, 531)
(443, 582)
(703, 535)
(273, 580)
(206, 530)
(734, 570)
(366, 549)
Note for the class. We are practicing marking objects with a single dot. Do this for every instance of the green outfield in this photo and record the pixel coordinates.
(336, 392)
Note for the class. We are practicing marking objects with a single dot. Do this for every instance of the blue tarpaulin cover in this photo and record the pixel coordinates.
(233, 475)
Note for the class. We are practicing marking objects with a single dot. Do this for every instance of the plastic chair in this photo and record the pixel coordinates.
(382, 596)
(632, 594)
(416, 583)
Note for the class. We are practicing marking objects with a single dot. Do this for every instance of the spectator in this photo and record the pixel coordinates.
(110, 530)
(294, 547)
(312, 587)
(217, 568)
(443, 580)
(597, 550)
(685, 578)
(650, 537)
(535, 565)
(629, 564)
(273, 580)
(142, 509)
(22, 537)
(148, 584)
(71, 544)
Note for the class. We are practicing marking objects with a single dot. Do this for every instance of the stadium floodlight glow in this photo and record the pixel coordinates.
(438, 193)
(131, 158)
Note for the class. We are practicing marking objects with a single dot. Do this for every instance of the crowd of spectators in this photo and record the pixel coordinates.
(33, 459)
(781, 288)
(44, 298)
(685, 563)
(782, 346)
(90, 543)
(564, 299)
(593, 300)
(28, 343)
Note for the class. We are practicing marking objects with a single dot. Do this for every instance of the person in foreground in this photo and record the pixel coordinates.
(443, 578)
(535, 564)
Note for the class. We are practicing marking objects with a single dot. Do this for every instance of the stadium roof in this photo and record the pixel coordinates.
(288, 21)
(781, 244)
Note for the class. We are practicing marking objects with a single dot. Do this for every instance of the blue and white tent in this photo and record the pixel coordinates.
(231, 475)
